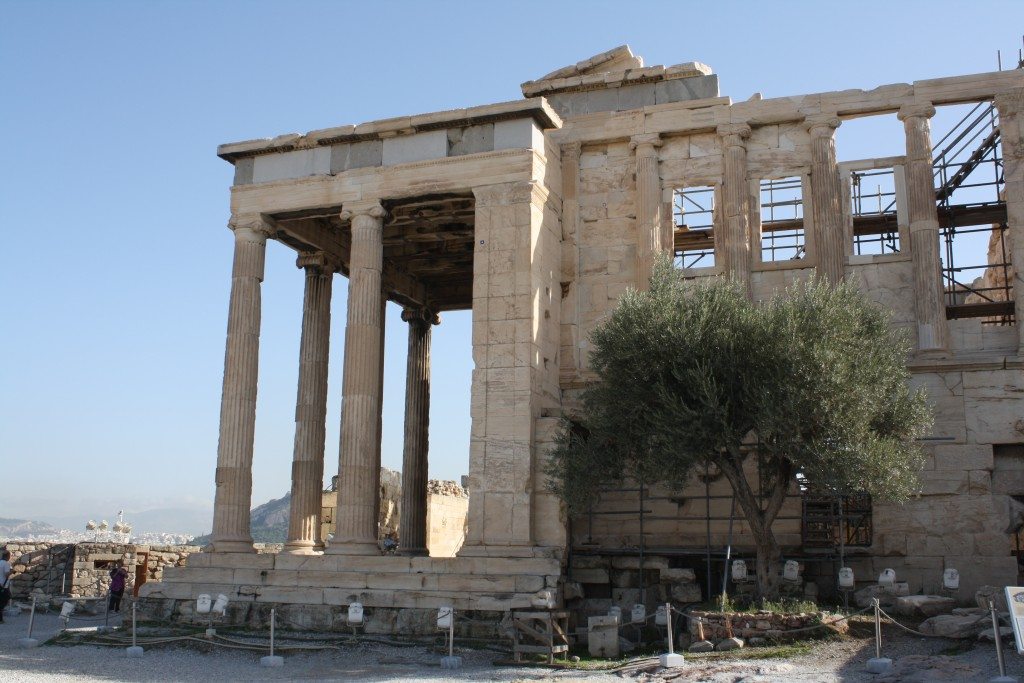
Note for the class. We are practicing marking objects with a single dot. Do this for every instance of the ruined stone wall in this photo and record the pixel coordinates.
(447, 512)
(82, 569)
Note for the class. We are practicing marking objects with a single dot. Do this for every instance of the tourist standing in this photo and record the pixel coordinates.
(118, 577)
(5, 582)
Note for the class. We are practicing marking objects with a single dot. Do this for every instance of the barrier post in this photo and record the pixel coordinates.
(29, 641)
(670, 659)
(1002, 677)
(879, 664)
(135, 650)
(451, 661)
(272, 659)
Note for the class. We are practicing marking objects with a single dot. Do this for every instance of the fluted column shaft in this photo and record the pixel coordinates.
(1011, 134)
(233, 496)
(311, 407)
(648, 205)
(413, 523)
(734, 244)
(932, 328)
(826, 198)
(358, 472)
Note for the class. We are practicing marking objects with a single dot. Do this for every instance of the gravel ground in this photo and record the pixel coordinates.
(917, 659)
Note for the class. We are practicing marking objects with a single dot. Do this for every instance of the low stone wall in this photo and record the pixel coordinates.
(82, 570)
(772, 625)
(485, 624)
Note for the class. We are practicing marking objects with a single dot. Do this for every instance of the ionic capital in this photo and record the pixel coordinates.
(571, 150)
(916, 110)
(504, 194)
(421, 316)
(734, 134)
(252, 227)
(822, 125)
(365, 207)
(645, 142)
(1010, 103)
(318, 261)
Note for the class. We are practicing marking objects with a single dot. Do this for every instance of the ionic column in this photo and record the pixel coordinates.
(358, 473)
(648, 204)
(1011, 122)
(233, 497)
(932, 328)
(826, 198)
(311, 406)
(734, 245)
(413, 523)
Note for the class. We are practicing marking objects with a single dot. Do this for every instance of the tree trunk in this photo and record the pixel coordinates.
(760, 520)
(769, 563)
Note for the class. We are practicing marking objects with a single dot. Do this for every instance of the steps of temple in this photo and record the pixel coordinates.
(477, 583)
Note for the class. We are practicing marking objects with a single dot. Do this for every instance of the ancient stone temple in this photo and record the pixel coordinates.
(537, 215)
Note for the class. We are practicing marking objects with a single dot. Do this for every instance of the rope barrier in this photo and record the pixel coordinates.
(919, 633)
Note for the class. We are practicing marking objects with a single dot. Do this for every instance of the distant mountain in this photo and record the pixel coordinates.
(20, 528)
(268, 522)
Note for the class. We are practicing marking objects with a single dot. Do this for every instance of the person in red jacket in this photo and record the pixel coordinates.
(118, 579)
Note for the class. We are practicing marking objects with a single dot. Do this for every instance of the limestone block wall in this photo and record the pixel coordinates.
(82, 569)
(960, 518)
(447, 510)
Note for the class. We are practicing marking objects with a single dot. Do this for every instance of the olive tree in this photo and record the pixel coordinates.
(813, 379)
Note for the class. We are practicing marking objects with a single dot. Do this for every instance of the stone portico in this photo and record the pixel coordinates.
(537, 215)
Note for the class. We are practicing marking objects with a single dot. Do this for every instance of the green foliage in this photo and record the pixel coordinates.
(690, 373)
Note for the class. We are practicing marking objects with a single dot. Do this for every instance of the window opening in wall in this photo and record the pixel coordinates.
(873, 199)
(830, 521)
(693, 211)
(969, 184)
(782, 220)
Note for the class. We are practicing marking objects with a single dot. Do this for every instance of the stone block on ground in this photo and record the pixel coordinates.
(984, 594)
(953, 626)
(989, 634)
(603, 636)
(730, 644)
(702, 646)
(886, 596)
(924, 606)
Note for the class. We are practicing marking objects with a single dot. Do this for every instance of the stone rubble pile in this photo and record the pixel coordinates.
(748, 625)
(446, 487)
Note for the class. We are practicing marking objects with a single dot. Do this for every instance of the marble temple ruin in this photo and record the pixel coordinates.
(536, 215)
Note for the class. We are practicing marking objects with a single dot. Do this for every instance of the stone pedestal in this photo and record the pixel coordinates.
(413, 526)
(648, 205)
(238, 398)
(833, 243)
(1011, 131)
(311, 407)
(932, 327)
(734, 244)
(358, 472)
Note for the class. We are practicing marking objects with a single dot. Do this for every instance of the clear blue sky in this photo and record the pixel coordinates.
(114, 269)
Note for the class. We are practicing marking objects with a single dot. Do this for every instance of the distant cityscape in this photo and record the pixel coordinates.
(28, 530)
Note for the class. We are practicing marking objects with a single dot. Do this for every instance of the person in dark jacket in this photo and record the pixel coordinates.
(118, 579)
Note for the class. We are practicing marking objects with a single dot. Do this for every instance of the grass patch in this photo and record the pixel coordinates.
(785, 651)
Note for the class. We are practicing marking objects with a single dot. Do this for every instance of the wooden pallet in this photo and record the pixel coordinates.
(540, 632)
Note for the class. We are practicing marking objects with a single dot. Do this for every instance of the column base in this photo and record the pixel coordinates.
(301, 548)
(352, 548)
(232, 547)
(933, 354)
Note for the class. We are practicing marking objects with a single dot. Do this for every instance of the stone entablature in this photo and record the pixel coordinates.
(454, 133)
